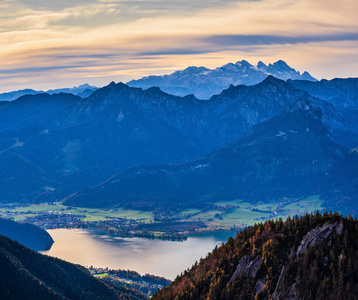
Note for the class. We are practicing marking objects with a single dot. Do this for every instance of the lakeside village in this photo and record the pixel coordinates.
(68, 217)
(147, 284)
(169, 224)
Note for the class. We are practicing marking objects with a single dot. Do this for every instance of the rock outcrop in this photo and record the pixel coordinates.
(318, 236)
(247, 267)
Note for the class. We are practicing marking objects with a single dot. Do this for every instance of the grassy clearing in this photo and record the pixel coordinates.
(241, 213)
(228, 203)
(101, 275)
(101, 215)
(145, 216)
(85, 214)
(189, 211)
(37, 208)
(207, 215)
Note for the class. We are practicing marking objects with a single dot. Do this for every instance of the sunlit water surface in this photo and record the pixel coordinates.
(162, 258)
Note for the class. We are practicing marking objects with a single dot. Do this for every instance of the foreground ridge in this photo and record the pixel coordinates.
(26, 274)
(310, 257)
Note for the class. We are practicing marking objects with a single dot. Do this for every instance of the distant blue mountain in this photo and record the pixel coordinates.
(342, 93)
(83, 91)
(204, 83)
(10, 96)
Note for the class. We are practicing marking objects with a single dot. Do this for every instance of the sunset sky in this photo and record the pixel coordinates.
(49, 44)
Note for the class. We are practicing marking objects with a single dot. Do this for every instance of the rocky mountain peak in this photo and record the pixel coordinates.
(261, 65)
(270, 79)
(204, 83)
(282, 65)
(243, 63)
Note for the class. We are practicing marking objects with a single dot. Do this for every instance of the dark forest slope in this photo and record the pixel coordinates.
(26, 274)
(311, 257)
(27, 234)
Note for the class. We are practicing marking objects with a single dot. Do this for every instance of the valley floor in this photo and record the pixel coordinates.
(171, 225)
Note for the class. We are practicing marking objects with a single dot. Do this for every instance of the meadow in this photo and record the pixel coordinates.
(224, 215)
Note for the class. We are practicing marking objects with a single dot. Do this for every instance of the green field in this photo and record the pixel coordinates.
(101, 215)
(223, 215)
(101, 275)
(239, 213)
(85, 214)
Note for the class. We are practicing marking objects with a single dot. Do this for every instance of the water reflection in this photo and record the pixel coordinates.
(162, 258)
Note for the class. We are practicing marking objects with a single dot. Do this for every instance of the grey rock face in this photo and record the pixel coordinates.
(317, 236)
(247, 267)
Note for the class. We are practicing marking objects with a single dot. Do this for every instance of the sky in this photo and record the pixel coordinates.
(48, 44)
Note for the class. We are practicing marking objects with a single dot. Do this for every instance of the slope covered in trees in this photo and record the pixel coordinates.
(29, 235)
(308, 257)
(26, 274)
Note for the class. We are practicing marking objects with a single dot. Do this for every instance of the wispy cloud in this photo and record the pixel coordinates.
(70, 42)
(254, 40)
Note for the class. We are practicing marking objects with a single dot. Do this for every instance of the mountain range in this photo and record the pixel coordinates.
(290, 155)
(204, 83)
(342, 93)
(269, 140)
(55, 145)
(82, 91)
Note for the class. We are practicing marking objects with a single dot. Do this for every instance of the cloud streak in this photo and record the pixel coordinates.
(255, 40)
(65, 43)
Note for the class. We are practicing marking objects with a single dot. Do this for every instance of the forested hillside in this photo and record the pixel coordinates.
(26, 274)
(29, 235)
(310, 257)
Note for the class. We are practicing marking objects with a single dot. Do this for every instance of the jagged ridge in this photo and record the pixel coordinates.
(204, 83)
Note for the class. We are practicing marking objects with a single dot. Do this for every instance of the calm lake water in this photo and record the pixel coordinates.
(162, 258)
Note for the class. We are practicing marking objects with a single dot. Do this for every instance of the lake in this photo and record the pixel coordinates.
(157, 257)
